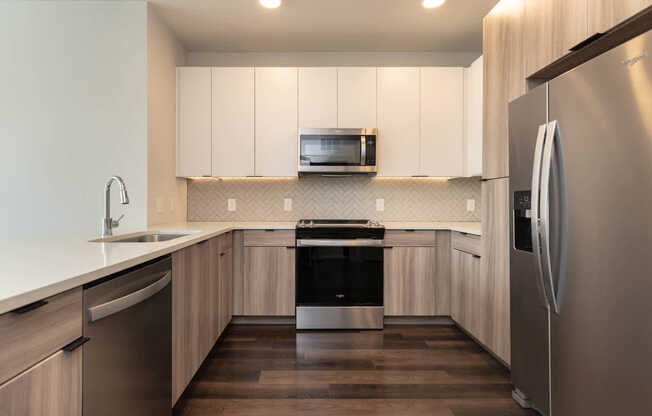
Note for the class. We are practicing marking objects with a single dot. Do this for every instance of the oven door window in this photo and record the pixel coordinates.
(330, 150)
(339, 276)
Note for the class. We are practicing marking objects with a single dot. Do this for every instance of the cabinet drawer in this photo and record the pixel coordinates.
(269, 238)
(53, 387)
(409, 238)
(468, 243)
(28, 336)
(225, 242)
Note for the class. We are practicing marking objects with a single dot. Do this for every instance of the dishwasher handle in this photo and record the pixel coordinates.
(112, 307)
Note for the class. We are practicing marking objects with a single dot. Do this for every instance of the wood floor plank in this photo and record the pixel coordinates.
(376, 377)
(401, 370)
(319, 407)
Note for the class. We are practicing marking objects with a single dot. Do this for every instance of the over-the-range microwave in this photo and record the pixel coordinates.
(337, 151)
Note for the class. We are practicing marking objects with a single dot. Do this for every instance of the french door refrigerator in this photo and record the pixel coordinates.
(581, 238)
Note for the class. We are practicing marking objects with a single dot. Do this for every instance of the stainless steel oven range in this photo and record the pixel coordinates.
(339, 274)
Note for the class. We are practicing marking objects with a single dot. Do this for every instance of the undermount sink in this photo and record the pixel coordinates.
(153, 237)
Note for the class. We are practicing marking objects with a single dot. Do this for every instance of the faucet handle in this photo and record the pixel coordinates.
(116, 223)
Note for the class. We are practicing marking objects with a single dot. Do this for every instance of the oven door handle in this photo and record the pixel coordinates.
(361, 242)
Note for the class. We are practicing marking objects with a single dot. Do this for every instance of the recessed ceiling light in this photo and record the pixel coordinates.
(431, 4)
(270, 4)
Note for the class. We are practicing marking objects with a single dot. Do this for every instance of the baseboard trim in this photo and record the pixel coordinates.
(263, 320)
(418, 320)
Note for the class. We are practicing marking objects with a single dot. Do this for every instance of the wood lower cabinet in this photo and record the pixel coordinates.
(468, 295)
(409, 281)
(269, 281)
(52, 387)
(189, 319)
(202, 276)
(417, 273)
(605, 14)
(30, 334)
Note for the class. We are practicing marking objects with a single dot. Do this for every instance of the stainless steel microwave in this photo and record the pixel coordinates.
(337, 151)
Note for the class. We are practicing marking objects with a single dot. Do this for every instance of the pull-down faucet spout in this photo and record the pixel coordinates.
(109, 223)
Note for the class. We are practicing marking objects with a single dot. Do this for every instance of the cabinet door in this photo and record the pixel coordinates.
(473, 107)
(276, 122)
(409, 281)
(469, 297)
(398, 121)
(213, 296)
(442, 121)
(226, 288)
(552, 27)
(495, 262)
(318, 97)
(458, 292)
(356, 97)
(269, 281)
(605, 14)
(52, 387)
(190, 313)
(233, 121)
(504, 81)
(193, 121)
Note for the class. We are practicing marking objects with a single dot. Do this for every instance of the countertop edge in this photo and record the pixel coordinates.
(18, 300)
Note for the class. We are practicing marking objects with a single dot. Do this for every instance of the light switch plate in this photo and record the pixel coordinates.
(231, 204)
(159, 205)
(380, 204)
(470, 205)
(287, 204)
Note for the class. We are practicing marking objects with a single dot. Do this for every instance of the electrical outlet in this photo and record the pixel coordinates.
(470, 205)
(231, 205)
(287, 204)
(380, 204)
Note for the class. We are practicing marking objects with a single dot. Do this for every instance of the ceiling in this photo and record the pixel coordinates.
(325, 25)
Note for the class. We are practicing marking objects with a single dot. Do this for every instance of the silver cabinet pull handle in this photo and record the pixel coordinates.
(534, 204)
(112, 307)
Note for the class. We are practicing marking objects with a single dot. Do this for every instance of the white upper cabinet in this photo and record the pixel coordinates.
(193, 121)
(318, 97)
(276, 121)
(473, 102)
(233, 122)
(398, 121)
(356, 97)
(442, 122)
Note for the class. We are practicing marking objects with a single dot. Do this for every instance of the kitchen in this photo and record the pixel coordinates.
(326, 208)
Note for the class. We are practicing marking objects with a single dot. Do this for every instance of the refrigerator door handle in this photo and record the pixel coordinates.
(535, 219)
(552, 138)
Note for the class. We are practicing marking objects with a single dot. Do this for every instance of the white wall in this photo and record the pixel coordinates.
(330, 58)
(73, 111)
(167, 195)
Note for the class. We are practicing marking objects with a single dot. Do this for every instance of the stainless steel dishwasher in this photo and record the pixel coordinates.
(128, 359)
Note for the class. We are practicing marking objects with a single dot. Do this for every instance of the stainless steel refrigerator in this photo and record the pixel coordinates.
(581, 238)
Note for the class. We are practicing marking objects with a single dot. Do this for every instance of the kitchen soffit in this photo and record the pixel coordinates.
(326, 25)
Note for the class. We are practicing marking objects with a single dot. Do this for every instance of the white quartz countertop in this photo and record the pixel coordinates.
(37, 268)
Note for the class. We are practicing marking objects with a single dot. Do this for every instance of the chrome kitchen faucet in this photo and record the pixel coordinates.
(109, 223)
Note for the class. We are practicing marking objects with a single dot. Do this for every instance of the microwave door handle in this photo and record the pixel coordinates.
(534, 219)
(363, 151)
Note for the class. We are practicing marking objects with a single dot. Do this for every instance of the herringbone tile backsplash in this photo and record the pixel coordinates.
(406, 199)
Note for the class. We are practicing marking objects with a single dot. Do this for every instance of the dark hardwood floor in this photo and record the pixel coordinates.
(275, 370)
